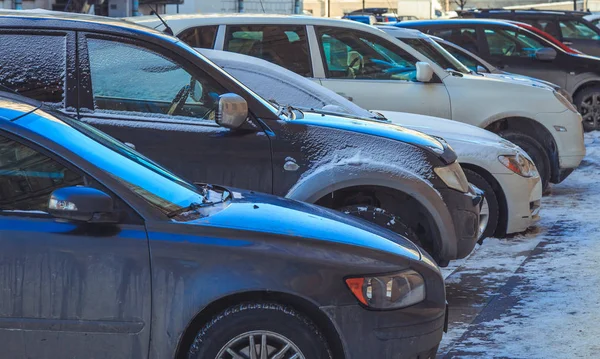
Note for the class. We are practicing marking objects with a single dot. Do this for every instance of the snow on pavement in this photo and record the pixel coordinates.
(535, 295)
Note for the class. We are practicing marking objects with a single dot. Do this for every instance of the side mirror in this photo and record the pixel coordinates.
(481, 70)
(82, 204)
(196, 90)
(232, 111)
(424, 72)
(545, 54)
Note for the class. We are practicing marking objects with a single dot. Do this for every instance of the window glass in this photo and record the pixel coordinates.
(201, 37)
(545, 25)
(577, 30)
(131, 79)
(510, 43)
(285, 46)
(437, 54)
(27, 177)
(463, 57)
(463, 37)
(34, 65)
(358, 55)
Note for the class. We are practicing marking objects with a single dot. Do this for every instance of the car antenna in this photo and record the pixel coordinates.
(167, 29)
(262, 6)
(393, 12)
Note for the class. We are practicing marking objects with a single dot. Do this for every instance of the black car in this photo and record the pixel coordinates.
(161, 96)
(514, 49)
(105, 254)
(567, 26)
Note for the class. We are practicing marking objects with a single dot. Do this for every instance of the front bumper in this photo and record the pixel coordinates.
(409, 333)
(464, 209)
(523, 199)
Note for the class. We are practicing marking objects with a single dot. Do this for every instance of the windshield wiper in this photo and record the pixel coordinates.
(454, 72)
(191, 207)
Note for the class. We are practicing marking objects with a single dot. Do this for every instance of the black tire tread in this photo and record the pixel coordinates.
(476, 179)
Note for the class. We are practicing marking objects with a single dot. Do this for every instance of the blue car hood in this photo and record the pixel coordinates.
(263, 213)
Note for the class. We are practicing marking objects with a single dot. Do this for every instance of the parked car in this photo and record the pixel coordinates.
(381, 14)
(546, 36)
(507, 175)
(593, 18)
(158, 94)
(378, 71)
(423, 43)
(511, 48)
(109, 255)
(570, 27)
(364, 18)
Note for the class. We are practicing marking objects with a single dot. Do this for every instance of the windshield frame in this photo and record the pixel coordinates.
(435, 47)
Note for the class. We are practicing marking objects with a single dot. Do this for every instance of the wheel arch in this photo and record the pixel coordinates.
(302, 305)
(500, 195)
(535, 130)
(592, 82)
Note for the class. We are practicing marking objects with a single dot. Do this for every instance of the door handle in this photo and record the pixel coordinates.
(290, 165)
(568, 43)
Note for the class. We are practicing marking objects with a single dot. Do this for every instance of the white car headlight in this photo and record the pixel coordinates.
(568, 104)
(519, 164)
(453, 176)
(391, 291)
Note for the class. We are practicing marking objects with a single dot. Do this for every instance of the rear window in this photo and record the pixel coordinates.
(285, 46)
(201, 37)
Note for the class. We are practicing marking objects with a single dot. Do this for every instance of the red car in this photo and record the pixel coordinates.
(546, 36)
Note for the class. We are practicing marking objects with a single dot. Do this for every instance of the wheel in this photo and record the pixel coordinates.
(259, 330)
(535, 150)
(383, 218)
(490, 209)
(588, 105)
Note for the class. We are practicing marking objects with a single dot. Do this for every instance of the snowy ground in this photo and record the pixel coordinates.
(536, 295)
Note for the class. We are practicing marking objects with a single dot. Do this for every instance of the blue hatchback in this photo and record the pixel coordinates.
(106, 254)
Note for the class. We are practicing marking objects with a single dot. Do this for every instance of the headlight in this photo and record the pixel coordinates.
(453, 176)
(565, 94)
(568, 104)
(519, 164)
(392, 291)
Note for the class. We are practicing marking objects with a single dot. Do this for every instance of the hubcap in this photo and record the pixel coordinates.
(260, 344)
(484, 216)
(590, 110)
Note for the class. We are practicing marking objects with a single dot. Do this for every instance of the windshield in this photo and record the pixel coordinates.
(437, 54)
(156, 185)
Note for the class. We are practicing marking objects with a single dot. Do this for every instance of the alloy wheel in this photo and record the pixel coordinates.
(260, 344)
(590, 110)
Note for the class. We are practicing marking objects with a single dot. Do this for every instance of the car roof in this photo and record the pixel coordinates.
(38, 18)
(401, 32)
(427, 23)
(183, 21)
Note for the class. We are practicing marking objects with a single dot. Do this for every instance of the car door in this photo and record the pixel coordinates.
(514, 51)
(165, 107)
(69, 290)
(376, 73)
(581, 35)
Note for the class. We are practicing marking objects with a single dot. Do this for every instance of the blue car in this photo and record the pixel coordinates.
(106, 254)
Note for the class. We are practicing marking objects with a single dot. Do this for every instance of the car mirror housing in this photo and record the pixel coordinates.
(82, 204)
(424, 71)
(232, 111)
(545, 54)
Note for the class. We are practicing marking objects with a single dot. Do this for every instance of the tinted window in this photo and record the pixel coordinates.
(577, 30)
(201, 37)
(437, 54)
(285, 46)
(146, 82)
(34, 66)
(358, 55)
(463, 37)
(463, 57)
(511, 43)
(27, 177)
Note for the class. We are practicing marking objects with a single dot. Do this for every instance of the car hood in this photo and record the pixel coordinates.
(263, 213)
(522, 78)
(381, 128)
(508, 78)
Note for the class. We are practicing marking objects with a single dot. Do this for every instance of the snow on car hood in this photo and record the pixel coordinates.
(526, 80)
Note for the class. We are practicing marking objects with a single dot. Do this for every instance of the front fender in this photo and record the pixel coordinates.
(312, 187)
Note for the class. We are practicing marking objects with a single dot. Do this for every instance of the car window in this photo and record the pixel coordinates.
(201, 37)
(27, 178)
(285, 46)
(437, 54)
(503, 42)
(34, 65)
(358, 55)
(463, 57)
(577, 30)
(147, 83)
(464, 37)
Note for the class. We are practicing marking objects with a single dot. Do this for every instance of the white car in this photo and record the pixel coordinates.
(376, 70)
(512, 187)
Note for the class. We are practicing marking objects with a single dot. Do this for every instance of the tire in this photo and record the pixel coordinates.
(492, 216)
(384, 219)
(535, 150)
(280, 325)
(588, 105)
